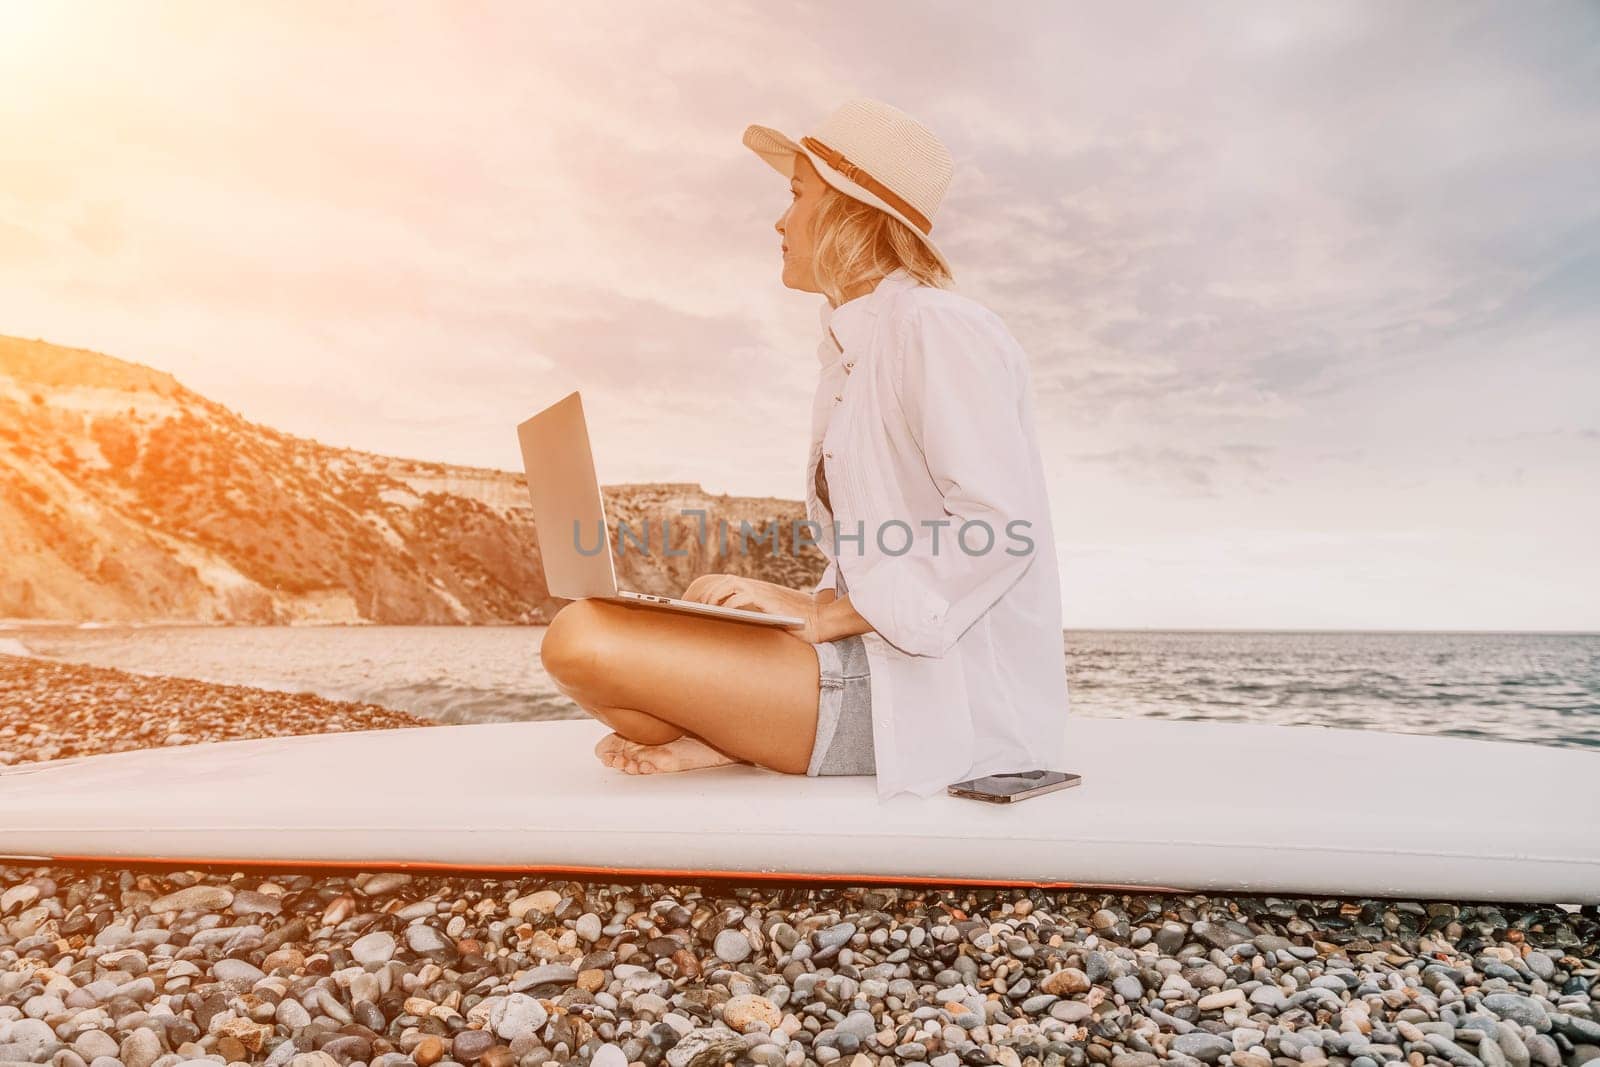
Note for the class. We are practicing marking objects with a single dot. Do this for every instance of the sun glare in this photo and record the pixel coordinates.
(28, 28)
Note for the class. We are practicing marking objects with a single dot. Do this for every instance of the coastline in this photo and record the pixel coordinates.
(51, 709)
(152, 968)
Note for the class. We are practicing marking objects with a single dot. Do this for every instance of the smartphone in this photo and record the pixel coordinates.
(1018, 785)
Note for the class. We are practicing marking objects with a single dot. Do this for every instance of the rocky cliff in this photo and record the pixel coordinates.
(126, 497)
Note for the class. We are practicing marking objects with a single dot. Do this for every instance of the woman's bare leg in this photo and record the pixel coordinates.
(636, 726)
(681, 751)
(643, 744)
(749, 692)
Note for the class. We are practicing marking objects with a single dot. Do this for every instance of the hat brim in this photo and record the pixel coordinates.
(779, 151)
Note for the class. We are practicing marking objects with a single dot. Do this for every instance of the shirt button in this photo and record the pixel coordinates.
(828, 454)
(837, 397)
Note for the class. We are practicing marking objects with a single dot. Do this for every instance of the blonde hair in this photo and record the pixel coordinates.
(854, 242)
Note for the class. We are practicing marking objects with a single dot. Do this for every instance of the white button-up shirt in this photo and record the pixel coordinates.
(923, 419)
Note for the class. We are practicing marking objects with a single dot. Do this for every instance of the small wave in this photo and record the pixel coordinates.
(10, 646)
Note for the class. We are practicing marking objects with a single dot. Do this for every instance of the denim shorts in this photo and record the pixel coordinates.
(843, 744)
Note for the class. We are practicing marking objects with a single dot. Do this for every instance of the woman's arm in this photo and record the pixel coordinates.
(838, 618)
(961, 382)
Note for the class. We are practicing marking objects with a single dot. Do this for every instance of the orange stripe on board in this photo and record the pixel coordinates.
(591, 872)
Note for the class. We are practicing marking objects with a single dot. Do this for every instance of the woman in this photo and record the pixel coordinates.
(933, 646)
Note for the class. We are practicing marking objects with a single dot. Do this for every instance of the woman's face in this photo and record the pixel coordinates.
(805, 189)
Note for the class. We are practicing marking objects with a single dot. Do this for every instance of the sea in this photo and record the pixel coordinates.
(1528, 687)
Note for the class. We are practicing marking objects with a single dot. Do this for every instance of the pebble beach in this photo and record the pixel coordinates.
(157, 967)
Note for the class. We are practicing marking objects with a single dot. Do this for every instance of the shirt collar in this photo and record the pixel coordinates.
(851, 320)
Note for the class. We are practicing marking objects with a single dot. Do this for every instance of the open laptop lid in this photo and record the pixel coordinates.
(563, 488)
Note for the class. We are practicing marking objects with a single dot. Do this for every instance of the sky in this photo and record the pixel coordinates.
(1309, 292)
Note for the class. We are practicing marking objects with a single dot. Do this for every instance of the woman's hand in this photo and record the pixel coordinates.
(752, 594)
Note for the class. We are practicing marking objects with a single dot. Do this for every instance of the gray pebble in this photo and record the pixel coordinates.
(732, 946)
(1135, 1059)
(1584, 1031)
(231, 970)
(553, 976)
(1543, 1051)
(706, 1046)
(374, 949)
(1170, 938)
(1525, 1010)
(1453, 1052)
(1512, 1045)
(834, 937)
(425, 940)
(1203, 1046)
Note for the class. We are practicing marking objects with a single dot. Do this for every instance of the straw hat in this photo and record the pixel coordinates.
(872, 152)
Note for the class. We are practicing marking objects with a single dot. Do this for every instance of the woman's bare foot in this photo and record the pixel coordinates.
(612, 749)
(686, 753)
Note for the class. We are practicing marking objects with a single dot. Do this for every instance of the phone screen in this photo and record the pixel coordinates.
(1005, 785)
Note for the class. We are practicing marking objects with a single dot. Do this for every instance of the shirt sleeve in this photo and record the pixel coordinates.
(960, 382)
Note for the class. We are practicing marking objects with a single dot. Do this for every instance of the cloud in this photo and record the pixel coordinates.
(1188, 471)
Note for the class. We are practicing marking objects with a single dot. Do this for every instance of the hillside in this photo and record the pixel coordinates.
(125, 497)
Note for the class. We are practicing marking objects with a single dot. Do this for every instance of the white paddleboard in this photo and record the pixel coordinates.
(1177, 805)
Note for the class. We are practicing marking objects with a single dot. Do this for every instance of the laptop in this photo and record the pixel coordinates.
(564, 489)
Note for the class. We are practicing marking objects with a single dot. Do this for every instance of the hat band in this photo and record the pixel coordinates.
(838, 161)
